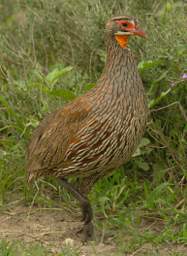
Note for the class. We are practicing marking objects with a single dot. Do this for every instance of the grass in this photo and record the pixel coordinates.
(15, 249)
(49, 56)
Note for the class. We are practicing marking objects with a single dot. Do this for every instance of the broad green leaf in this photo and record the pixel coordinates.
(87, 87)
(53, 77)
(64, 93)
(156, 101)
(139, 151)
(143, 165)
(61, 92)
(148, 64)
(144, 141)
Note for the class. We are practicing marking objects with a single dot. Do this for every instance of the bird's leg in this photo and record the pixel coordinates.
(84, 187)
(86, 209)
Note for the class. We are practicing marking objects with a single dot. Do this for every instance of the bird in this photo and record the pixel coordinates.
(98, 131)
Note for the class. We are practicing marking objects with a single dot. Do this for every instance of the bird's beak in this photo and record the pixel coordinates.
(130, 32)
(138, 32)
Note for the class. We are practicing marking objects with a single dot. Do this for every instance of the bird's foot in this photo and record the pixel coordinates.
(87, 232)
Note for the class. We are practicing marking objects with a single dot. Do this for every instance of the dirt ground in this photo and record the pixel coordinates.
(54, 228)
(51, 227)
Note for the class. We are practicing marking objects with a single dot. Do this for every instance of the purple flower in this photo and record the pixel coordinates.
(184, 76)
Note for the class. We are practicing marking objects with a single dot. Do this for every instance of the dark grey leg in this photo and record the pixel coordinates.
(86, 209)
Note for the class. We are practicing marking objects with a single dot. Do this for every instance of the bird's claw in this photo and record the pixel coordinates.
(87, 232)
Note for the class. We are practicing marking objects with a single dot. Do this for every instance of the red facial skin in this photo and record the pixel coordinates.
(129, 26)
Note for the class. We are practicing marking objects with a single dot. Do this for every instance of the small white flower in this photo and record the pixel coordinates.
(69, 242)
(184, 76)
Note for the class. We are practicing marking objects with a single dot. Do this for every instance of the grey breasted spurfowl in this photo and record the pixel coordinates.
(99, 131)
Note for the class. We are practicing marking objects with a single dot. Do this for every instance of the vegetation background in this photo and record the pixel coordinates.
(52, 51)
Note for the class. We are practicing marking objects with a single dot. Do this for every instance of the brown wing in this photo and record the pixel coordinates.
(51, 138)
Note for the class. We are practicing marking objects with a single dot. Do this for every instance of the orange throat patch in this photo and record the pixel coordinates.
(122, 40)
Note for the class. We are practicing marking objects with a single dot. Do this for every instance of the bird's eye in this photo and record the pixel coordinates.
(125, 25)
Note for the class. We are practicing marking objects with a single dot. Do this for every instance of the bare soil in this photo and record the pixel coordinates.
(55, 228)
(51, 227)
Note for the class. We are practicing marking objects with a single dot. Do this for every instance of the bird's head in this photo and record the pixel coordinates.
(122, 27)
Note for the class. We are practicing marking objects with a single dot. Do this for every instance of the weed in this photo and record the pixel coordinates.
(52, 51)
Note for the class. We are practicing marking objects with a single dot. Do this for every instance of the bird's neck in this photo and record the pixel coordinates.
(120, 86)
(120, 72)
(120, 81)
(119, 58)
(120, 78)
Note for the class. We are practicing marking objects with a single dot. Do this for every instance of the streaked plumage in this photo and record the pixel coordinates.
(98, 131)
